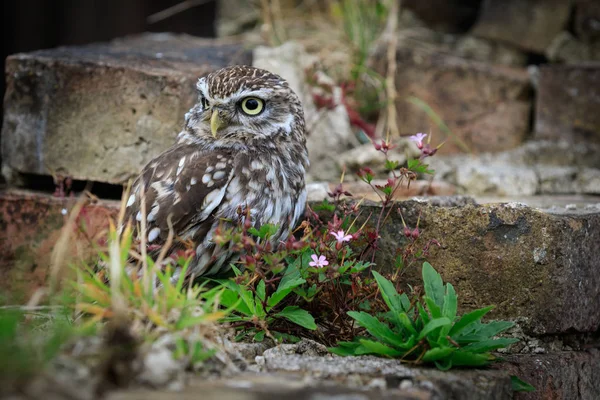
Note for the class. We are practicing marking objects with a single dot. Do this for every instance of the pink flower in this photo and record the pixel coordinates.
(318, 262)
(341, 236)
(418, 139)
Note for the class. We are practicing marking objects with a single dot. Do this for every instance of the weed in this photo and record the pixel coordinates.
(427, 329)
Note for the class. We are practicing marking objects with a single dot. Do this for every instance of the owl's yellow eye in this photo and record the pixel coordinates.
(252, 105)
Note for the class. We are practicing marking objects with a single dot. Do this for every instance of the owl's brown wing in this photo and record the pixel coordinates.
(186, 183)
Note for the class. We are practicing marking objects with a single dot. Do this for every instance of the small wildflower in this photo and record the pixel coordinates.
(318, 262)
(418, 139)
(341, 236)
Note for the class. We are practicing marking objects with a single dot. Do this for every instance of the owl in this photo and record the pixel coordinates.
(243, 147)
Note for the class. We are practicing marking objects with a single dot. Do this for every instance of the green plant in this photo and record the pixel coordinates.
(156, 299)
(29, 339)
(427, 329)
(253, 306)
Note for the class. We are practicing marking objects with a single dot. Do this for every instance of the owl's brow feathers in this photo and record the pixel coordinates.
(229, 81)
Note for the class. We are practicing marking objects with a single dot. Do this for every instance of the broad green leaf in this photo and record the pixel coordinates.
(377, 328)
(389, 294)
(423, 314)
(435, 311)
(443, 365)
(345, 348)
(490, 344)
(438, 353)
(433, 325)
(519, 385)
(276, 297)
(248, 299)
(434, 287)
(290, 283)
(450, 300)
(379, 348)
(407, 323)
(468, 319)
(493, 328)
(468, 359)
(260, 290)
(298, 316)
(404, 300)
(259, 337)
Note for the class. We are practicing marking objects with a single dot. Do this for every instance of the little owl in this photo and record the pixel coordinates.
(242, 147)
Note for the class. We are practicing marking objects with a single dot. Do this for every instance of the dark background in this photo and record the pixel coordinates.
(40, 24)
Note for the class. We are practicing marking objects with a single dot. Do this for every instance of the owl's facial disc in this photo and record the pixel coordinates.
(245, 104)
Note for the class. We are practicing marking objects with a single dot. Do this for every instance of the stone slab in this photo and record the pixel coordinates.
(30, 225)
(537, 266)
(100, 112)
(485, 106)
(567, 103)
(537, 167)
(561, 375)
(527, 24)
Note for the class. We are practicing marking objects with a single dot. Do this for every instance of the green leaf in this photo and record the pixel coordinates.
(450, 303)
(468, 359)
(488, 345)
(434, 287)
(265, 231)
(391, 165)
(298, 316)
(373, 347)
(433, 325)
(260, 290)
(259, 337)
(407, 323)
(345, 348)
(290, 282)
(519, 385)
(433, 308)
(422, 313)
(468, 319)
(376, 328)
(276, 297)
(493, 328)
(324, 206)
(389, 294)
(443, 365)
(437, 353)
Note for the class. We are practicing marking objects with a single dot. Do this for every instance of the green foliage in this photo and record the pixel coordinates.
(252, 304)
(427, 330)
(29, 340)
(417, 166)
(519, 385)
(158, 295)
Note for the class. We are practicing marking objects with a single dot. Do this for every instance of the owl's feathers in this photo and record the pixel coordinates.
(256, 162)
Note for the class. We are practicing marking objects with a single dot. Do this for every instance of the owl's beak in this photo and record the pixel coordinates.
(215, 122)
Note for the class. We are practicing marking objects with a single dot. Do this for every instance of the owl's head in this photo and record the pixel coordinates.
(243, 103)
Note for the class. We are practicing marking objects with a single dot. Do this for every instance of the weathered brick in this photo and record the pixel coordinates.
(527, 24)
(30, 225)
(567, 103)
(538, 266)
(560, 375)
(100, 112)
(486, 106)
